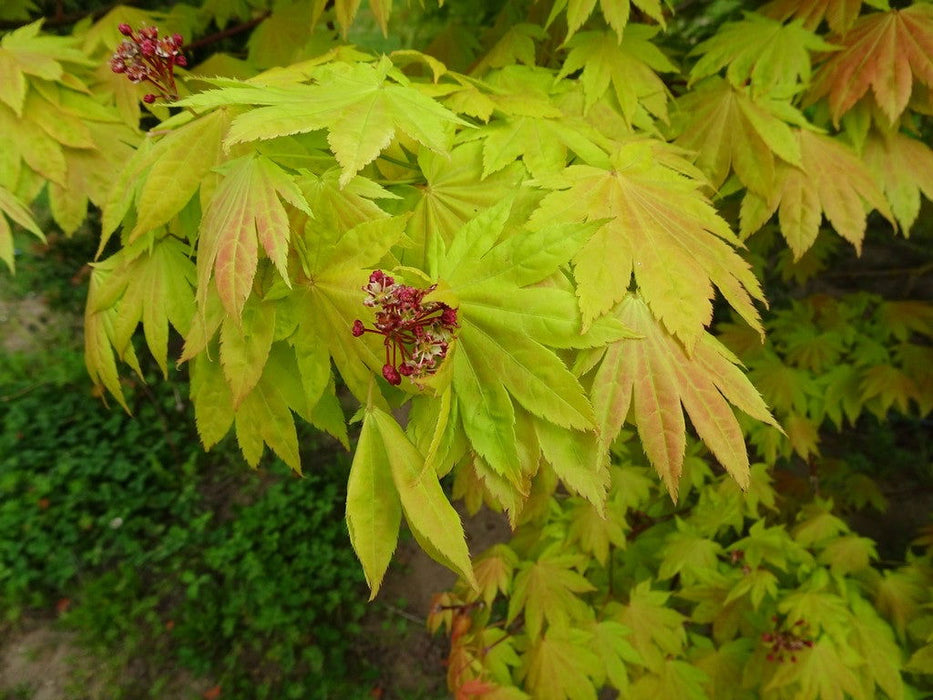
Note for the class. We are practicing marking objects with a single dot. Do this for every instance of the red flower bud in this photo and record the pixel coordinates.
(180, 60)
(358, 328)
(391, 375)
(149, 99)
(125, 29)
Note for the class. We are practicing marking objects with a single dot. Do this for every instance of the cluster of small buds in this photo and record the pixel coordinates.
(145, 57)
(417, 333)
(787, 642)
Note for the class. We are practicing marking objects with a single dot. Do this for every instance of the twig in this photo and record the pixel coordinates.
(230, 31)
(404, 613)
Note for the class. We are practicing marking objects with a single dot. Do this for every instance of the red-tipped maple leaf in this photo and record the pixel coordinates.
(886, 51)
(840, 14)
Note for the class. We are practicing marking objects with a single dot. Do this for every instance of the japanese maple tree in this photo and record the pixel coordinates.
(512, 235)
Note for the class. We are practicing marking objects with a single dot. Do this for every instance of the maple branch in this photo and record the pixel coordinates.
(228, 32)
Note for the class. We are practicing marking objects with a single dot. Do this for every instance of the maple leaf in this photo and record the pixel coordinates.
(840, 14)
(688, 554)
(560, 665)
(359, 105)
(657, 375)
(887, 386)
(494, 571)
(11, 207)
(176, 168)
(610, 642)
(516, 45)
(152, 284)
(898, 595)
(887, 52)
(432, 519)
(731, 130)
(545, 589)
(98, 333)
(657, 630)
(831, 181)
(848, 554)
(456, 190)
(331, 298)
(615, 12)
(673, 679)
(533, 126)
(244, 213)
(23, 52)
(774, 57)
(506, 324)
(827, 671)
(656, 221)
(630, 67)
(596, 532)
(887, 156)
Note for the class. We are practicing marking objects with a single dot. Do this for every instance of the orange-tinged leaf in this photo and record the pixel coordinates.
(731, 130)
(903, 168)
(494, 571)
(840, 14)
(245, 211)
(660, 228)
(887, 52)
(832, 182)
(656, 370)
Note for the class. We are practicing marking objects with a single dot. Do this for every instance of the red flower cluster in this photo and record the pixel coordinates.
(145, 57)
(787, 641)
(417, 333)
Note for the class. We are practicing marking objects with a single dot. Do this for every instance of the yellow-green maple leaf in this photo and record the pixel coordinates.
(456, 190)
(630, 67)
(363, 106)
(615, 12)
(886, 52)
(730, 130)
(23, 52)
(657, 630)
(560, 665)
(658, 227)
(152, 284)
(656, 376)
(831, 181)
(903, 168)
(545, 589)
(774, 57)
(11, 207)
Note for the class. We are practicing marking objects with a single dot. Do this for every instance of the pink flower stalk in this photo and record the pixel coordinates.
(417, 333)
(145, 57)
